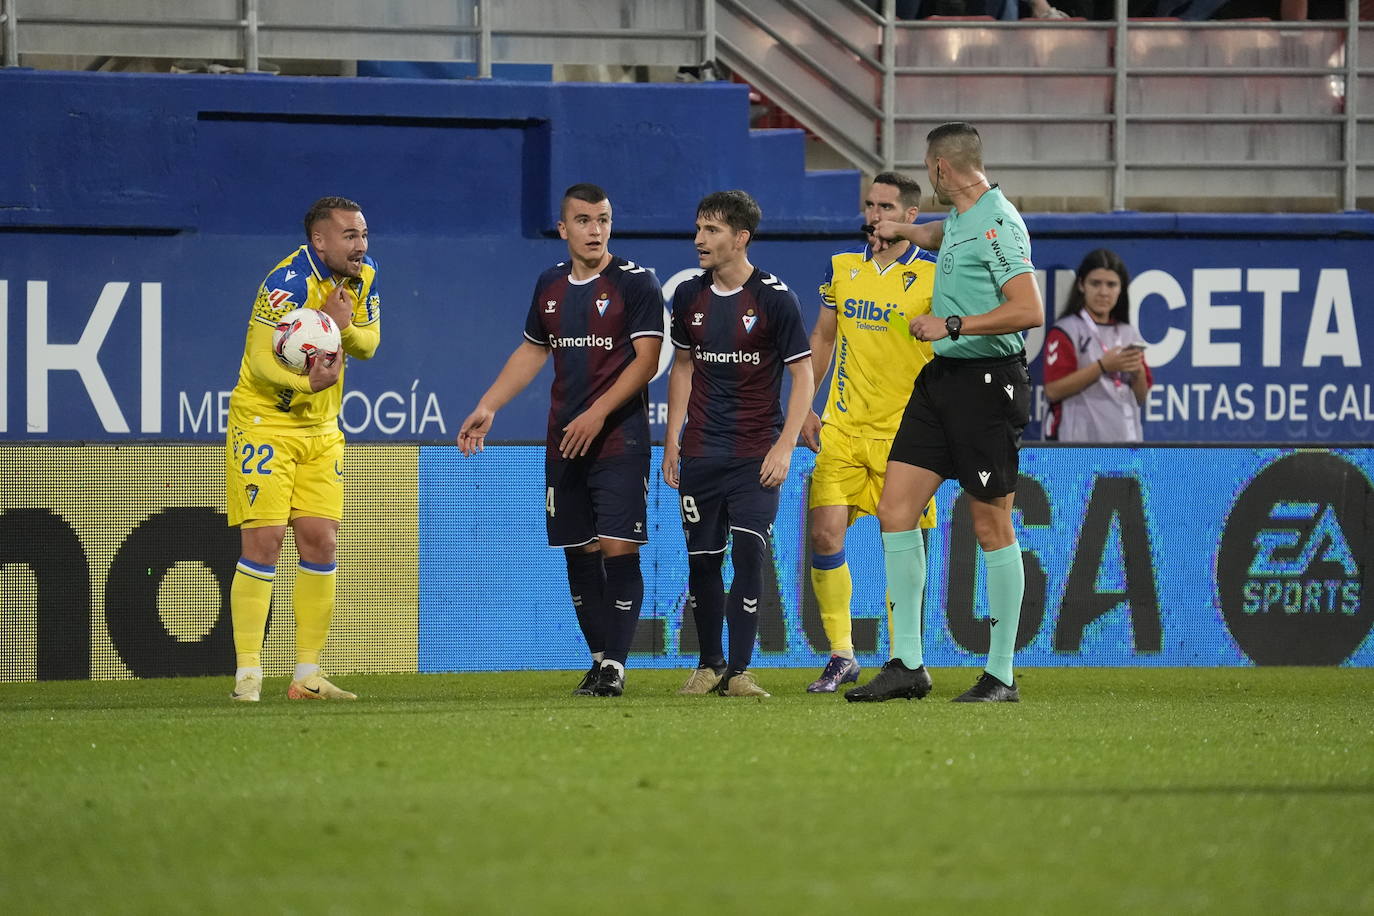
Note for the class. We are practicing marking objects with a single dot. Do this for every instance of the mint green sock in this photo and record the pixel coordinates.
(904, 557)
(1006, 588)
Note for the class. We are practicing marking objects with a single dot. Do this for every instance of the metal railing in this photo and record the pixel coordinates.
(395, 32)
(1120, 117)
(1099, 119)
(1112, 110)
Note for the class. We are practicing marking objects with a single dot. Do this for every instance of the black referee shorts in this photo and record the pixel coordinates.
(964, 421)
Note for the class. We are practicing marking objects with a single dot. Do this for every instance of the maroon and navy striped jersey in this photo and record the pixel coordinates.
(591, 326)
(739, 340)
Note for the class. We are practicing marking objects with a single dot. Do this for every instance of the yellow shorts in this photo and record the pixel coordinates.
(850, 471)
(272, 479)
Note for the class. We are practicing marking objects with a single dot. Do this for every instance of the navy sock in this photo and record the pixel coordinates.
(624, 595)
(742, 608)
(707, 591)
(587, 584)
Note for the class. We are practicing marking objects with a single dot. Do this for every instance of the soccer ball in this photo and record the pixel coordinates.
(303, 336)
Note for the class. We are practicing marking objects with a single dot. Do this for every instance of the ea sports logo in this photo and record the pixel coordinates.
(1292, 569)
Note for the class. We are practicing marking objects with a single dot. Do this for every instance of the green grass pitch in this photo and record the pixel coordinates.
(1103, 791)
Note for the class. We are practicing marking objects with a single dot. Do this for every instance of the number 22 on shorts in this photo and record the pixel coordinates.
(263, 454)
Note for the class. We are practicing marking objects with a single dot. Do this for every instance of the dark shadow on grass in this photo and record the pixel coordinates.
(1185, 791)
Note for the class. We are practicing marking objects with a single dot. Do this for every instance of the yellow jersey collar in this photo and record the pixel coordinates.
(318, 267)
(912, 250)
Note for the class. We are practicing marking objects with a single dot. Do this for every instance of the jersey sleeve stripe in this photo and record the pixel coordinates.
(646, 334)
(801, 355)
(536, 341)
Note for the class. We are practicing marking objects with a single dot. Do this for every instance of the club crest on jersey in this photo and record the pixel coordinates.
(908, 278)
(550, 306)
(853, 272)
(749, 319)
(602, 303)
(252, 491)
(696, 319)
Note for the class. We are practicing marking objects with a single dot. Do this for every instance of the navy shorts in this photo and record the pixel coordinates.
(586, 499)
(720, 495)
(964, 422)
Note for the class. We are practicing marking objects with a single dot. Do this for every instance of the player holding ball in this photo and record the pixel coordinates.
(284, 454)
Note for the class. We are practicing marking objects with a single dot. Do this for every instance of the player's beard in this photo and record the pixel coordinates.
(346, 268)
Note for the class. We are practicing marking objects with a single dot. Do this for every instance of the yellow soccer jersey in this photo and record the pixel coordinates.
(876, 358)
(270, 396)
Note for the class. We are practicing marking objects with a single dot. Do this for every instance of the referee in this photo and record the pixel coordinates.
(966, 412)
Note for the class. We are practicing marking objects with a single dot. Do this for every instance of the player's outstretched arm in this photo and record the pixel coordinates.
(779, 458)
(822, 354)
(583, 429)
(679, 393)
(520, 369)
(923, 235)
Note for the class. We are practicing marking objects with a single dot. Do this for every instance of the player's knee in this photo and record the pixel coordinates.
(896, 513)
(610, 548)
(316, 544)
(992, 530)
(263, 545)
(572, 553)
(704, 575)
(704, 564)
(747, 556)
(826, 540)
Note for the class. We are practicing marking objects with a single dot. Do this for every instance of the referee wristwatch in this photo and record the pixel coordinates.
(953, 324)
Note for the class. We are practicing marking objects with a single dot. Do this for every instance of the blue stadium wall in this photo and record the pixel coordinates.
(139, 213)
(115, 561)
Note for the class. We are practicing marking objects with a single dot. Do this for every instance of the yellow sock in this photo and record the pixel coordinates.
(830, 580)
(313, 600)
(250, 598)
